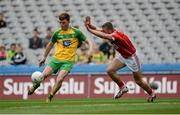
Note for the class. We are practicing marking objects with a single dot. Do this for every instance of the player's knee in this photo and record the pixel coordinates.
(59, 80)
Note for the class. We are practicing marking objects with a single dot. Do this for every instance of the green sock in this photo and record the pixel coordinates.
(50, 97)
(36, 85)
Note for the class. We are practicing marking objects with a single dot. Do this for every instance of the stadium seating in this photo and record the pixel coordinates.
(153, 25)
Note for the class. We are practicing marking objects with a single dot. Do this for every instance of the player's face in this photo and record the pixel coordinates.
(107, 31)
(35, 33)
(64, 24)
(13, 47)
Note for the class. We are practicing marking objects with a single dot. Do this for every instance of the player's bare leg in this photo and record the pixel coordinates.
(46, 72)
(62, 74)
(144, 85)
(111, 71)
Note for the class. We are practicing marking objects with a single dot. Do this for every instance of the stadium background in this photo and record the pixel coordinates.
(153, 26)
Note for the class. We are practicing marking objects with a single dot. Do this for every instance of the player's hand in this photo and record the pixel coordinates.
(90, 52)
(87, 26)
(89, 55)
(88, 20)
(42, 61)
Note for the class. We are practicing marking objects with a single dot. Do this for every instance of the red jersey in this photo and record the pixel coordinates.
(123, 44)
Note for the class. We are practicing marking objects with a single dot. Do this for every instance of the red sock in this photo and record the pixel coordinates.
(121, 84)
(150, 91)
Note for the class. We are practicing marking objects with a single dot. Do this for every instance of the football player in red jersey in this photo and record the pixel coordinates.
(126, 57)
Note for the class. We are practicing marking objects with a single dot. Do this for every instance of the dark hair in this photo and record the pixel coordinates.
(48, 29)
(13, 44)
(36, 29)
(107, 25)
(64, 16)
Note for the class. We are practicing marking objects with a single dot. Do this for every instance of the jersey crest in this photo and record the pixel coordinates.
(66, 43)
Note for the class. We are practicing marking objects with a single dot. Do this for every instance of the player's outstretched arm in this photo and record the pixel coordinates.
(47, 50)
(88, 22)
(99, 33)
(94, 30)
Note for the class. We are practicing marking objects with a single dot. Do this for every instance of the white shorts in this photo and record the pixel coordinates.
(131, 62)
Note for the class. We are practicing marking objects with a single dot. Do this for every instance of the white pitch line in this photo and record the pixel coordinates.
(55, 106)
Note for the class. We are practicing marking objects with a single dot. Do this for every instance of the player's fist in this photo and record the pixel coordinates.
(90, 52)
(87, 20)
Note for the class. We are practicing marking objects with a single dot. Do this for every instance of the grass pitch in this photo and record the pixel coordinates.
(90, 106)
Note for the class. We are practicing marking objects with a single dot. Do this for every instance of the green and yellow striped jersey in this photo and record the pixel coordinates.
(67, 43)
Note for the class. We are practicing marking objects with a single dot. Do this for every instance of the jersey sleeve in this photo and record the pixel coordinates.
(54, 37)
(80, 35)
(117, 35)
(114, 36)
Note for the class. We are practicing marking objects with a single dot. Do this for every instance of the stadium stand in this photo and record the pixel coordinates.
(153, 25)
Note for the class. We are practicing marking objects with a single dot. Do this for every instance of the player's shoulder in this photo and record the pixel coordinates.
(56, 31)
(118, 32)
(76, 29)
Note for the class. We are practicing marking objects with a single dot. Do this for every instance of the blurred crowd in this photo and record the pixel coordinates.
(2, 21)
(14, 54)
(103, 53)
